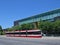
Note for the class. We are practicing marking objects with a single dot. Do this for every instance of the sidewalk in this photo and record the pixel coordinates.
(50, 37)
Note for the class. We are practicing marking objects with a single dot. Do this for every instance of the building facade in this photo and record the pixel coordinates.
(47, 16)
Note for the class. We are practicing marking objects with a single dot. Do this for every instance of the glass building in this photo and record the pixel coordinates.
(47, 16)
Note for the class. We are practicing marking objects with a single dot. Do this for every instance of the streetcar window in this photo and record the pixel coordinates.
(38, 32)
(23, 33)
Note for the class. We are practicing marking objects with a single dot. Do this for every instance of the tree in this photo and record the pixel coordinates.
(1, 31)
(50, 27)
(46, 27)
(56, 26)
(9, 29)
(28, 26)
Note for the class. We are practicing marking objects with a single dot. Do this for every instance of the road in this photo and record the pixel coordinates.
(29, 41)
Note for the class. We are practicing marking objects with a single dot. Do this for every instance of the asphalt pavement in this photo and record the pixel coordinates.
(29, 41)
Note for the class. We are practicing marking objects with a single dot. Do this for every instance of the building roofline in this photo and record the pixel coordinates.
(39, 15)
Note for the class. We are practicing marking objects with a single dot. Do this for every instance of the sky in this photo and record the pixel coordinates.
(12, 10)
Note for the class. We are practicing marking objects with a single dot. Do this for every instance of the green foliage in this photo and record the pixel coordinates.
(0, 28)
(45, 26)
(9, 29)
(50, 27)
(27, 26)
(1, 31)
(56, 26)
(18, 27)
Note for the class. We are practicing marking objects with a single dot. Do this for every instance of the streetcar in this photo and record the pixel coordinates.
(25, 33)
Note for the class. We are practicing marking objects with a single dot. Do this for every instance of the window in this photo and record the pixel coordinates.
(38, 32)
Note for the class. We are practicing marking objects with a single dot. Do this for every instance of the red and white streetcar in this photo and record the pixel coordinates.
(25, 33)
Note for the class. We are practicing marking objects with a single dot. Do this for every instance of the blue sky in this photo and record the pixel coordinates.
(11, 10)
